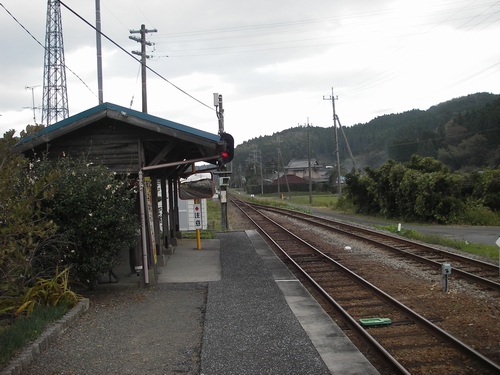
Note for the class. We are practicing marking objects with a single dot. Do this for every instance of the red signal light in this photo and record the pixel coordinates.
(224, 154)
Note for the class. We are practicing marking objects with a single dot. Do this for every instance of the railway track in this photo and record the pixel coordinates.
(410, 344)
(479, 272)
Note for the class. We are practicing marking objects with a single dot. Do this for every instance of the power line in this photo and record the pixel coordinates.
(114, 43)
(41, 45)
(132, 56)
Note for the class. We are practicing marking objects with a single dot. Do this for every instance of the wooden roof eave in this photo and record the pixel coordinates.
(42, 137)
(158, 128)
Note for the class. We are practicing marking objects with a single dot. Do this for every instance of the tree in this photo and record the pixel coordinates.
(471, 152)
(421, 189)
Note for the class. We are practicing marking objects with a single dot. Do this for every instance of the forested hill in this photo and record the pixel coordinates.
(463, 133)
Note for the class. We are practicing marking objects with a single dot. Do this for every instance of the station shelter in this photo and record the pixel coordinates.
(153, 150)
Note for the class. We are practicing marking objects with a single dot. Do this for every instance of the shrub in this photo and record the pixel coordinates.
(48, 292)
(25, 229)
(94, 210)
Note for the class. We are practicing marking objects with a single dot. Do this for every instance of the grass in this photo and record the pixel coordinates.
(319, 199)
(23, 330)
(323, 200)
(489, 251)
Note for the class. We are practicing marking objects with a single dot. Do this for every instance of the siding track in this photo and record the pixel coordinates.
(412, 344)
(479, 272)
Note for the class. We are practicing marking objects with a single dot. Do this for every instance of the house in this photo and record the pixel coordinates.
(290, 180)
(300, 168)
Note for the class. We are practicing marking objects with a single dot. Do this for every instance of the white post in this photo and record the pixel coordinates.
(498, 244)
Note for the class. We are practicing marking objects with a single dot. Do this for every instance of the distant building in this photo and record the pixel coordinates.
(300, 168)
(290, 180)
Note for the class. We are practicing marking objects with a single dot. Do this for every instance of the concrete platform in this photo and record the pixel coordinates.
(259, 318)
(335, 349)
(188, 264)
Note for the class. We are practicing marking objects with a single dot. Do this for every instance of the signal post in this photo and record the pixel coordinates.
(226, 155)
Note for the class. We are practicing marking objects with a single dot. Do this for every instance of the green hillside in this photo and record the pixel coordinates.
(463, 133)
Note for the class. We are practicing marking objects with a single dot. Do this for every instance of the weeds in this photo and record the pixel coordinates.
(27, 328)
(28, 314)
(49, 292)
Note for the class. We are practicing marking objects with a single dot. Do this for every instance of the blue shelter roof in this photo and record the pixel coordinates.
(111, 110)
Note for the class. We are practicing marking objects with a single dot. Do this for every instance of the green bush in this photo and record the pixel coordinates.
(94, 210)
(424, 190)
(25, 227)
(478, 215)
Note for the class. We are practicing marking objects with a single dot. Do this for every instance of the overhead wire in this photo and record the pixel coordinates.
(114, 43)
(135, 86)
(220, 33)
(409, 42)
(36, 40)
(300, 22)
(140, 10)
(477, 15)
(133, 57)
(282, 28)
(110, 12)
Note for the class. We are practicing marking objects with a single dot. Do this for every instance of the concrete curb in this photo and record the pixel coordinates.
(20, 363)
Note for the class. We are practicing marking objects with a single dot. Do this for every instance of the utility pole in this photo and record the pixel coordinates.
(332, 98)
(261, 176)
(309, 160)
(257, 155)
(143, 55)
(99, 49)
(32, 88)
(347, 144)
(278, 140)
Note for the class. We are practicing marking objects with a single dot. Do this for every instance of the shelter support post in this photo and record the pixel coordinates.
(143, 229)
(164, 212)
(156, 221)
(171, 208)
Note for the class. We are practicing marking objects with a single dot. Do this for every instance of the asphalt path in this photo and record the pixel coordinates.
(471, 234)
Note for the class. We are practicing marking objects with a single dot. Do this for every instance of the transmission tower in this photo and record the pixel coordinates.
(55, 96)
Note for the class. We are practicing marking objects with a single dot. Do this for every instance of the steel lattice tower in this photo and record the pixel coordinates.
(55, 96)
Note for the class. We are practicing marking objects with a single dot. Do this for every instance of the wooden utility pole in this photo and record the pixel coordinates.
(347, 144)
(143, 55)
(309, 160)
(332, 98)
(278, 140)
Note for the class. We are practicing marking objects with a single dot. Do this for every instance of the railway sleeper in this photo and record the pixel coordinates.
(413, 346)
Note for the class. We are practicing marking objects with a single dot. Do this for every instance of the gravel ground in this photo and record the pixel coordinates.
(117, 337)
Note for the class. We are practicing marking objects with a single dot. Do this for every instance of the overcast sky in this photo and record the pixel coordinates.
(273, 61)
